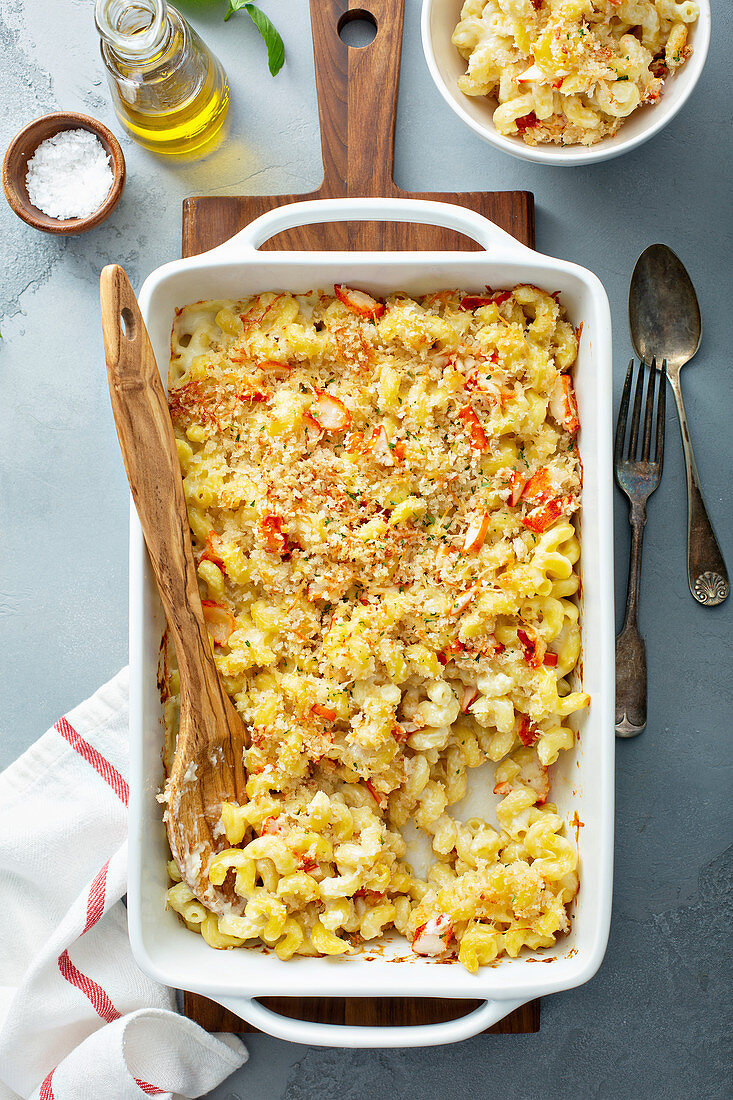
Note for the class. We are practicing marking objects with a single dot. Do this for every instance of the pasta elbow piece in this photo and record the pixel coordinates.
(326, 943)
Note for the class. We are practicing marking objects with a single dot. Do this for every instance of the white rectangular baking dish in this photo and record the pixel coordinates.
(584, 779)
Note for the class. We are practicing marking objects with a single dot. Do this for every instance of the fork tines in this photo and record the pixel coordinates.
(628, 453)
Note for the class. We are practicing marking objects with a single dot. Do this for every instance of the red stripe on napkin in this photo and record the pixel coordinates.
(98, 998)
(95, 901)
(151, 1090)
(46, 1092)
(98, 762)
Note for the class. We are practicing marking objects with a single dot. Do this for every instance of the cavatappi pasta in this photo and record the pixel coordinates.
(381, 500)
(570, 71)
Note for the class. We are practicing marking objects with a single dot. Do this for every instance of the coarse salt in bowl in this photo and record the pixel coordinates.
(69, 175)
(439, 20)
(64, 173)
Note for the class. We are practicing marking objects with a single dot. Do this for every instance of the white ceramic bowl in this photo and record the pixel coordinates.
(439, 19)
(583, 780)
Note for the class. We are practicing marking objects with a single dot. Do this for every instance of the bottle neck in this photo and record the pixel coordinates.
(133, 29)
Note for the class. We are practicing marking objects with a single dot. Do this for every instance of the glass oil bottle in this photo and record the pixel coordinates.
(168, 89)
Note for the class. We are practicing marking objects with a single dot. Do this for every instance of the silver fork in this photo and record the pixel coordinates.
(638, 478)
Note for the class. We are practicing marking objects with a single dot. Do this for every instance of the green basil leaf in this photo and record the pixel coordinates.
(273, 41)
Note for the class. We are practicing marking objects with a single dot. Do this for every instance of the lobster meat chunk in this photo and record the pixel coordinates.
(330, 413)
(358, 301)
(563, 405)
(219, 620)
(472, 424)
(433, 937)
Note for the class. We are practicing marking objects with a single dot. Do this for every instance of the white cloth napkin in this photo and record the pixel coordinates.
(78, 1019)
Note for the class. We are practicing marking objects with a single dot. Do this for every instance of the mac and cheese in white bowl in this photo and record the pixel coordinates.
(566, 82)
(583, 779)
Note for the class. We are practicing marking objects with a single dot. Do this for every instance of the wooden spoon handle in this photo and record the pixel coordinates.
(151, 460)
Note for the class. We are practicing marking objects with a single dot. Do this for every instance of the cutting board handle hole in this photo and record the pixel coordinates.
(357, 28)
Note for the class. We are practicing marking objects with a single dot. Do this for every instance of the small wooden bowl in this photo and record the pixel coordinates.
(22, 148)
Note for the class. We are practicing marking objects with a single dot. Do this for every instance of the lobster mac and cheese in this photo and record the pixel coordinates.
(381, 498)
(570, 71)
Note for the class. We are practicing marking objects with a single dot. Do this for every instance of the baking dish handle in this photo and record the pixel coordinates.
(316, 211)
(345, 1035)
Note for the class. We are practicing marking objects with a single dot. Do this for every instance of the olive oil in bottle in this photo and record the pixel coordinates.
(168, 89)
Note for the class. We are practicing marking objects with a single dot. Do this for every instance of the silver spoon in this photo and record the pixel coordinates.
(664, 317)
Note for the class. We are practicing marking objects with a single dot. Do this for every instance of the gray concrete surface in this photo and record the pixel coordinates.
(655, 1020)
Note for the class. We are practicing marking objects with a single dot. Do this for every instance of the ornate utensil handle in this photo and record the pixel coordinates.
(706, 572)
(630, 647)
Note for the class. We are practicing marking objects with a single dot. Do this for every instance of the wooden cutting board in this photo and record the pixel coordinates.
(357, 100)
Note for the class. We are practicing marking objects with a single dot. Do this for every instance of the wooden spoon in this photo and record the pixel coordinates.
(208, 766)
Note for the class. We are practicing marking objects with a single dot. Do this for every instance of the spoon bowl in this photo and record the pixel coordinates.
(204, 775)
(664, 313)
